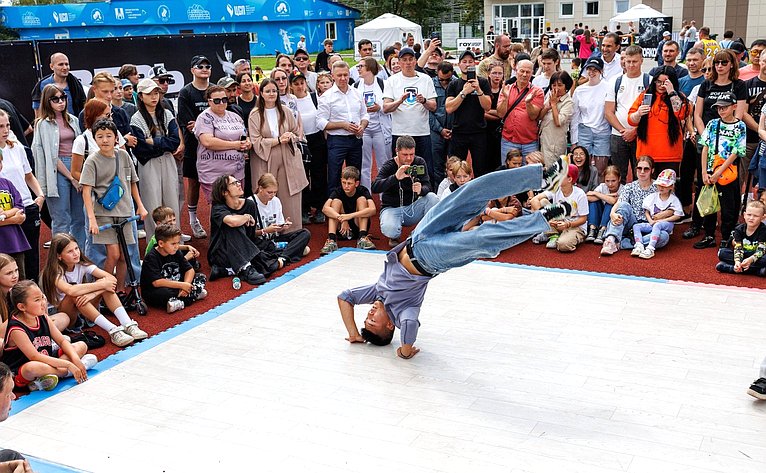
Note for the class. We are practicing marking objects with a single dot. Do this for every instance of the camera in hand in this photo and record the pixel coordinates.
(416, 170)
(470, 73)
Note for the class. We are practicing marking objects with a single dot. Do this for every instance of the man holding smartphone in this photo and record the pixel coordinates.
(468, 98)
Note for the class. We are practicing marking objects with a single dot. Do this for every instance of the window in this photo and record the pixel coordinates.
(539, 9)
(497, 10)
(566, 10)
(621, 6)
(526, 10)
(330, 31)
(591, 8)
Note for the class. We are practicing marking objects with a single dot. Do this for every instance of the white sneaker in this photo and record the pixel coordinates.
(119, 337)
(135, 332)
(202, 294)
(648, 253)
(306, 251)
(540, 238)
(141, 233)
(637, 249)
(197, 230)
(185, 238)
(174, 305)
(89, 360)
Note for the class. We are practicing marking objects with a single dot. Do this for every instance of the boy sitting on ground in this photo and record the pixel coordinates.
(167, 278)
(356, 204)
(746, 254)
(167, 216)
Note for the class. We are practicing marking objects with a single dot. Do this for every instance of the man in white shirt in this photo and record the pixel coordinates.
(691, 38)
(622, 92)
(343, 115)
(564, 42)
(549, 63)
(365, 50)
(609, 47)
(409, 96)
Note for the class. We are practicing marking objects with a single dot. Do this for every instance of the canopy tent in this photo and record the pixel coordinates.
(635, 14)
(385, 30)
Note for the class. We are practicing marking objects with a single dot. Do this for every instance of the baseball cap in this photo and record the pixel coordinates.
(405, 51)
(199, 59)
(300, 51)
(595, 62)
(737, 47)
(226, 82)
(725, 99)
(573, 172)
(145, 86)
(159, 71)
(666, 33)
(465, 53)
(126, 83)
(666, 178)
(295, 75)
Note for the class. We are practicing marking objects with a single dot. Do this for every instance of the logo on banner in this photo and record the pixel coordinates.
(119, 14)
(97, 16)
(281, 8)
(30, 19)
(236, 10)
(197, 12)
(163, 12)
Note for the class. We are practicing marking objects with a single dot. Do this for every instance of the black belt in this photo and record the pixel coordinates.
(415, 263)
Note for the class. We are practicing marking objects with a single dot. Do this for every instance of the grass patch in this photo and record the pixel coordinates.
(267, 62)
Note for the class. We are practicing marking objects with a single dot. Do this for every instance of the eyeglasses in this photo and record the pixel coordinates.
(163, 80)
(721, 63)
(643, 169)
(203, 66)
(280, 79)
(301, 58)
(704, 69)
(219, 101)
(237, 183)
(58, 98)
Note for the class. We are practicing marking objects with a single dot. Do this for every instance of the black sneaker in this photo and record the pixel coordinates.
(722, 267)
(252, 276)
(217, 272)
(592, 232)
(758, 389)
(554, 211)
(691, 232)
(555, 173)
(707, 242)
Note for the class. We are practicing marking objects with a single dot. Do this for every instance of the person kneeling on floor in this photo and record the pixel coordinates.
(167, 278)
(348, 212)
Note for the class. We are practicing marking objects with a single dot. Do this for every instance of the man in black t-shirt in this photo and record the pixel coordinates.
(756, 93)
(348, 210)
(321, 62)
(468, 98)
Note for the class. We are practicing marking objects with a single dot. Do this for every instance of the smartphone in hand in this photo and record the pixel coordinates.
(647, 99)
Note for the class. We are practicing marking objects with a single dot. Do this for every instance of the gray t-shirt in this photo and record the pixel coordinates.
(101, 179)
(401, 293)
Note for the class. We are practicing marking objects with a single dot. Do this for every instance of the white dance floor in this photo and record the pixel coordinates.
(521, 370)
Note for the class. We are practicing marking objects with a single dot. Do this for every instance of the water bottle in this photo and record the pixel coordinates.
(281, 245)
(236, 283)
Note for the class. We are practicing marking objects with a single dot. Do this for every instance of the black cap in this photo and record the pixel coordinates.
(725, 99)
(465, 53)
(737, 47)
(405, 51)
(300, 51)
(595, 62)
(159, 71)
(199, 59)
(295, 75)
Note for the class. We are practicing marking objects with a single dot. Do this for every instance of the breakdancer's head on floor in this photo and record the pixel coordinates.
(378, 328)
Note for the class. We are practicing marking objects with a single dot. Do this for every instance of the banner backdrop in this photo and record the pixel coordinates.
(17, 61)
(650, 35)
(90, 56)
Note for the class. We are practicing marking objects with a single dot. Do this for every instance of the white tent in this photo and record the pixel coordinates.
(384, 31)
(636, 13)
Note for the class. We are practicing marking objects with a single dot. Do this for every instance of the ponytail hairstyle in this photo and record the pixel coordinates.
(54, 267)
(19, 294)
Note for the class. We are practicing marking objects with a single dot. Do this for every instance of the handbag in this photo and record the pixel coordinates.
(303, 147)
(729, 174)
(115, 191)
(499, 130)
(707, 202)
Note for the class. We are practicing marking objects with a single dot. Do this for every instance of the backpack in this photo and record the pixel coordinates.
(618, 82)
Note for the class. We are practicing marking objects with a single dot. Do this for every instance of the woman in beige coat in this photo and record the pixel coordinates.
(274, 133)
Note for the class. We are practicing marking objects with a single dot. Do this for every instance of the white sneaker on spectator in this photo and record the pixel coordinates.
(202, 294)
(185, 238)
(174, 305)
(197, 230)
(119, 337)
(132, 329)
(89, 360)
(637, 249)
(648, 253)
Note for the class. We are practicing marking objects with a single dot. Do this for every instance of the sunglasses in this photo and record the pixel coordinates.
(203, 66)
(721, 63)
(219, 101)
(58, 98)
(643, 169)
(164, 80)
(301, 58)
(704, 69)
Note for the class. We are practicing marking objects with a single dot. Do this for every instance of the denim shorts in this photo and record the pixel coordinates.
(597, 144)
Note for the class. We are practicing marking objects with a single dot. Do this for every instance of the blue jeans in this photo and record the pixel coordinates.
(340, 149)
(392, 219)
(659, 232)
(439, 147)
(599, 213)
(67, 210)
(506, 146)
(628, 220)
(438, 242)
(97, 253)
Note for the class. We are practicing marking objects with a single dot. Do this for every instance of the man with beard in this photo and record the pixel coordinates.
(502, 55)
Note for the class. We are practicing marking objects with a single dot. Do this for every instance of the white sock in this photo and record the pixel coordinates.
(192, 213)
(122, 316)
(104, 323)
